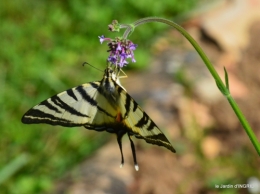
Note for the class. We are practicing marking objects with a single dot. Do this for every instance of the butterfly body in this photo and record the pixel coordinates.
(102, 106)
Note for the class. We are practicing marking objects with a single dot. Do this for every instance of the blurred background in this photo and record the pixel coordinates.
(43, 46)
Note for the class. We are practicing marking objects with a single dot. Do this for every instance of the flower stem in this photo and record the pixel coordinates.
(224, 89)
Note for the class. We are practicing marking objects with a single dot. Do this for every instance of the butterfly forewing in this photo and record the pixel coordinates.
(69, 108)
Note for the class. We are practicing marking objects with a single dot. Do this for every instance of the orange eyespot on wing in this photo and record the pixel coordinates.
(119, 117)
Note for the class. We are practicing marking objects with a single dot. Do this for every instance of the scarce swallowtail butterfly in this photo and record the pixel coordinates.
(102, 106)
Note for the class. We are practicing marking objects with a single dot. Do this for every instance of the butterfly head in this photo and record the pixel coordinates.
(111, 76)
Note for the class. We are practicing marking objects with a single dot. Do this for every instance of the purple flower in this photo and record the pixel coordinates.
(120, 50)
(101, 38)
(112, 59)
(132, 47)
(123, 61)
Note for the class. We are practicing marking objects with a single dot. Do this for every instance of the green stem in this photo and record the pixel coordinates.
(244, 123)
(224, 89)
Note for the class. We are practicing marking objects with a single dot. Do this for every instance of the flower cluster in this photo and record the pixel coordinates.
(120, 50)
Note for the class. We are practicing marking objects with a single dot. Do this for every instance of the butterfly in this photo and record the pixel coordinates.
(102, 106)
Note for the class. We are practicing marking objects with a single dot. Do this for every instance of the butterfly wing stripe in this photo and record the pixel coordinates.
(151, 126)
(119, 89)
(127, 105)
(56, 100)
(71, 94)
(135, 106)
(143, 121)
(90, 100)
(85, 96)
(38, 116)
(95, 127)
(50, 106)
(159, 140)
(94, 84)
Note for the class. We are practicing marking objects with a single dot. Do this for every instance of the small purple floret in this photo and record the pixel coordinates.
(101, 38)
(132, 47)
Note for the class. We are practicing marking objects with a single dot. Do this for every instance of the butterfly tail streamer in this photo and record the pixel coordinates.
(119, 141)
(133, 152)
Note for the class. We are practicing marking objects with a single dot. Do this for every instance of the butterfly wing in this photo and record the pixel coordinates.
(88, 106)
(99, 106)
(74, 107)
(140, 123)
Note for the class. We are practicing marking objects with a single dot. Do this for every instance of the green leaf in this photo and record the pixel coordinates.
(226, 79)
(13, 167)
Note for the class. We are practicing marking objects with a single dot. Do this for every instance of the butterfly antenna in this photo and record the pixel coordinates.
(133, 151)
(86, 63)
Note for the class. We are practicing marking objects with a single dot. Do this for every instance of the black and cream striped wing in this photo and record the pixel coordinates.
(140, 123)
(74, 107)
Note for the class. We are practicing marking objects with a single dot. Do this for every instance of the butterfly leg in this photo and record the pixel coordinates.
(133, 152)
(120, 134)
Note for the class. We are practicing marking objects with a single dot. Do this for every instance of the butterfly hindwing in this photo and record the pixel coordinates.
(140, 123)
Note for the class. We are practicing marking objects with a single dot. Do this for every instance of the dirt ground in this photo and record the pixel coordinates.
(212, 147)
